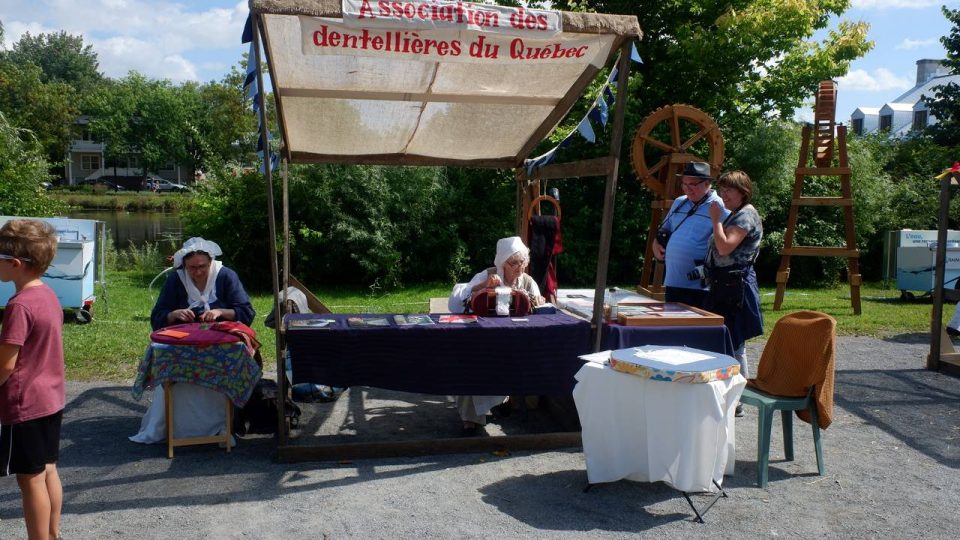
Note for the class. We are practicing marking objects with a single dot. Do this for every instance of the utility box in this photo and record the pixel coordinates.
(916, 267)
(77, 267)
(894, 240)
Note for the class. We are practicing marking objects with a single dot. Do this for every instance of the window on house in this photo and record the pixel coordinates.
(90, 162)
(858, 126)
(886, 122)
(133, 162)
(919, 120)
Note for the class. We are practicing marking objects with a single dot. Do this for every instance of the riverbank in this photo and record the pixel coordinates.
(135, 201)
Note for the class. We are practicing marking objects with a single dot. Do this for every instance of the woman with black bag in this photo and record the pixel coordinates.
(732, 249)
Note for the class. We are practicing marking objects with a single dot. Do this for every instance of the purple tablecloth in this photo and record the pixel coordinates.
(495, 356)
(708, 338)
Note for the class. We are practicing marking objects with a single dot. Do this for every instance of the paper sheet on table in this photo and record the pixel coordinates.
(674, 357)
(602, 357)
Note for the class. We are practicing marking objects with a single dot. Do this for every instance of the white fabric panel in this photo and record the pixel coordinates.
(505, 80)
(493, 131)
(349, 127)
(648, 431)
(297, 70)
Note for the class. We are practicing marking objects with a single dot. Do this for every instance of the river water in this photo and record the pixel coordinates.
(137, 228)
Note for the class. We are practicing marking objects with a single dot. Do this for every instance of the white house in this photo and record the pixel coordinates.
(907, 112)
(85, 160)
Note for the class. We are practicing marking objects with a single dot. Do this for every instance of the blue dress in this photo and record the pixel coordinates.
(747, 322)
(230, 295)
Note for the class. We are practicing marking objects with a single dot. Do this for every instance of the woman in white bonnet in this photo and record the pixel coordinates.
(510, 265)
(201, 289)
(509, 268)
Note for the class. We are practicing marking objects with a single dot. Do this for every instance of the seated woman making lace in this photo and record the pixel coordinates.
(509, 268)
(199, 289)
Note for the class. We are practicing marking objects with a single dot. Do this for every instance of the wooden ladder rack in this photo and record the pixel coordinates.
(822, 167)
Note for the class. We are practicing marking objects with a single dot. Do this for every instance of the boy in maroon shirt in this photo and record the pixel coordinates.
(32, 394)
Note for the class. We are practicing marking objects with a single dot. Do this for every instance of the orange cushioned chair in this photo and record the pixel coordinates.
(795, 374)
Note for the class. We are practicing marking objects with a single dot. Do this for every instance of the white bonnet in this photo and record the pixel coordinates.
(506, 247)
(196, 244)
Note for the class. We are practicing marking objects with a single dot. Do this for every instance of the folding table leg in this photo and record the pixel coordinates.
(700, 513)
(168, 416)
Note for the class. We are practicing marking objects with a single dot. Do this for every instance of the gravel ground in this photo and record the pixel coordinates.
(892, 458)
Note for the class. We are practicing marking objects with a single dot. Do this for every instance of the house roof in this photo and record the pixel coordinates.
(926, 89)
(340, 101)
(861, 112)
(896, 107)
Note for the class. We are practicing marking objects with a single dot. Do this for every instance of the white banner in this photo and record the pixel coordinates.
(450, 15)
(333, 37)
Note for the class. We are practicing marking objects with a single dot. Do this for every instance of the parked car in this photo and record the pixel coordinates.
(166, 185)
(101, 182)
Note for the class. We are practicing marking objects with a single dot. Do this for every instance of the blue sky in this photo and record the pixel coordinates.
(200, 40)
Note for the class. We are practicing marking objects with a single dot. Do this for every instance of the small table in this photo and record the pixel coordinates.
(649, 430)
(225, 366)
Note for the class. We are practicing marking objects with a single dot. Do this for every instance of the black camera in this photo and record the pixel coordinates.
(197, 311)
(699, 272)
(663, 236)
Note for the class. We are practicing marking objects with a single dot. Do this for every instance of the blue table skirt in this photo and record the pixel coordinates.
(709, 338)
(495, 356)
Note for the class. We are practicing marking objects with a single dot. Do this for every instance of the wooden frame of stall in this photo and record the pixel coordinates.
(623, 29)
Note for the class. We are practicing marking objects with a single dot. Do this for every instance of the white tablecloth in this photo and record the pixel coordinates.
(649, 431)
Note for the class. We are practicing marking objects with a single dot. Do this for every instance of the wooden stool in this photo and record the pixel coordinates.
(225, 437)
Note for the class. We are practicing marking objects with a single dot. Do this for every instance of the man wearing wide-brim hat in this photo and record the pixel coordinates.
(685, 231)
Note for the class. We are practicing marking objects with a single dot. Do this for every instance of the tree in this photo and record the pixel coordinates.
(742, 60)
(61, 57)
(945, 105)
(22, 169)
(47, 108)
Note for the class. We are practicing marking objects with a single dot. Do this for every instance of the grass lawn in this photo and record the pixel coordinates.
(110, 347)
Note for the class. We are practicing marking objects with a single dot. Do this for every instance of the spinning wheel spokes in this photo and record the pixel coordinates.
(692, 136)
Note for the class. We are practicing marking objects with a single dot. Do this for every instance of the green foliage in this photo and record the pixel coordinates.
(379, 226)
(945, 105)
(22, 169)
(47, 108)
(61, 57)
(740, 61)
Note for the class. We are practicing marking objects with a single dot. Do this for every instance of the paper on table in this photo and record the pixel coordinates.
(176, 334)
(674, 357)
(601, 357)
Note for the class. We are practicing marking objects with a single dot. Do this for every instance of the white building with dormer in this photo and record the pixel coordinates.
(908, 112)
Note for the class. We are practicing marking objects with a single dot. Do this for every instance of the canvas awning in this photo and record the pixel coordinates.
(402, 97)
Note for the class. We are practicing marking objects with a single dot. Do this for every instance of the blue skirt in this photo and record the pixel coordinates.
(747, 322)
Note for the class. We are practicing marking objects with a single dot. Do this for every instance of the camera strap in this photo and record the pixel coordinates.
(690, 212)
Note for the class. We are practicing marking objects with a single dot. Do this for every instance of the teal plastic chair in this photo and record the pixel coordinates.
(766, 404)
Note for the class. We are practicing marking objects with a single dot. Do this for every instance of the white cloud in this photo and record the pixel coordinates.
(158, 38)
(881, 80)
(909, 44)
(893, 4)
(13, 31)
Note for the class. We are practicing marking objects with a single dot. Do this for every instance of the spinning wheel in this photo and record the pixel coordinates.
(674, 134)
(824, 113)
(666, 140)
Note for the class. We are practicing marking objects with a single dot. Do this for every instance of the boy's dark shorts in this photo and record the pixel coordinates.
(27, 447)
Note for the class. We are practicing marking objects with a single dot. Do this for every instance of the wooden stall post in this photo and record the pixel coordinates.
(272, 227)
(610, 193)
